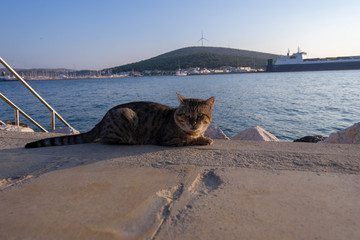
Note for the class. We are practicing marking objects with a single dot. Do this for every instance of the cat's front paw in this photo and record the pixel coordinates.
(209, 141)
(204, 141)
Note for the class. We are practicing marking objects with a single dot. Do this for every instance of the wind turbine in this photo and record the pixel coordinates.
(202, 39)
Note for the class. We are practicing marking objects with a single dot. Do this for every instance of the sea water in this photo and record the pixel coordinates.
(289, 105)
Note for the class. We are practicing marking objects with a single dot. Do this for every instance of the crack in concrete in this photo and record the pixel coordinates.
(171, 195)
(11, 181)
(205, 182)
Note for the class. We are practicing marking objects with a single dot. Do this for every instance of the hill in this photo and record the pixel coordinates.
(209, 57)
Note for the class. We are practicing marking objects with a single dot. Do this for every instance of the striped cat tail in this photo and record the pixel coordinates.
(64, 140)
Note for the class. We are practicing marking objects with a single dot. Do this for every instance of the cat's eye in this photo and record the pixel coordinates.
(200, 115)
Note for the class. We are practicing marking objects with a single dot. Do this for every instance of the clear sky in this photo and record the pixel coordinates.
(90, 34)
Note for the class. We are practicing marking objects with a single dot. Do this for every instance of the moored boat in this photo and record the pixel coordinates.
(180, 72)
(4, 77)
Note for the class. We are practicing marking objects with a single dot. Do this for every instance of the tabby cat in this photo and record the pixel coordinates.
(146, 123)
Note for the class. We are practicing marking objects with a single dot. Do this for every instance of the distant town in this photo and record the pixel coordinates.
(58, 74)
(184, 72)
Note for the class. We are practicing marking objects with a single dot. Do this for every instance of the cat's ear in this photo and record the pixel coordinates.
(181, 98)
(210, 102)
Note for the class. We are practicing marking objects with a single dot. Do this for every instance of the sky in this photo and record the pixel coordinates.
(90, 34)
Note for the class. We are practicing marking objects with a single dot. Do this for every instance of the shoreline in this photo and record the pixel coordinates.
(154, 75)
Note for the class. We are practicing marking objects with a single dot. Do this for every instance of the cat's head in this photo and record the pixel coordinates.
(194, 115)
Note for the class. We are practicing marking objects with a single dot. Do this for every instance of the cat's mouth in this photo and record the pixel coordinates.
(195, 128)
(192, 130)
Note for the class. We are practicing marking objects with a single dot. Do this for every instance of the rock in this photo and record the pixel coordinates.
(311, 139)
(66, 130)
(13, 128)
(20, 124)
(348, 135)
(215, 133)
(256, 134)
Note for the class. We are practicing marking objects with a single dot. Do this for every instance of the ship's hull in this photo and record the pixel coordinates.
(313, 66)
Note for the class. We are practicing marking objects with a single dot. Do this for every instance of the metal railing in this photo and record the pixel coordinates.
(54, 114)
(17, 111)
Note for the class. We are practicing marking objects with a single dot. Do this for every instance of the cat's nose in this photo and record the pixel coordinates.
(192, 122)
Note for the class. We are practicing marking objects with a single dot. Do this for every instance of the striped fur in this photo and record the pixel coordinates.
(146, 123)
(63, 140)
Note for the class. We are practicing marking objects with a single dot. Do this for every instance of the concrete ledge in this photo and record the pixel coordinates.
(229, 190)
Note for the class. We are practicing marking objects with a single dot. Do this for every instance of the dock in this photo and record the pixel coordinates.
(228, 190)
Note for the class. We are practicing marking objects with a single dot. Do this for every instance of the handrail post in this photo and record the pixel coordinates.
(17, 118)
(53, 120)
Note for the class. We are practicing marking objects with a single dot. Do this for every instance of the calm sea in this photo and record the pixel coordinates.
(289, 105)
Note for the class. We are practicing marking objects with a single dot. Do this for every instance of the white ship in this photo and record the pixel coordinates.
(299, 62)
